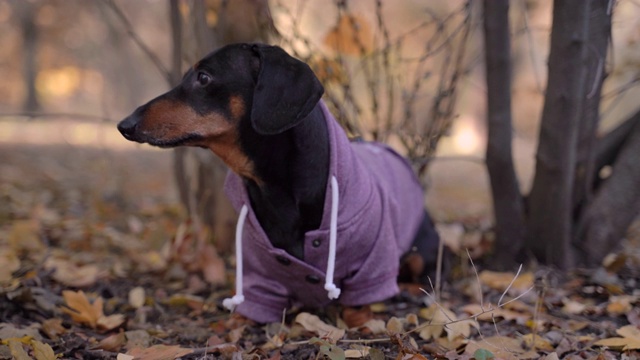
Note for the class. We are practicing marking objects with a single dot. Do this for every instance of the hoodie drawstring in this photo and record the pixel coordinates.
(332, 290)
(238, 298)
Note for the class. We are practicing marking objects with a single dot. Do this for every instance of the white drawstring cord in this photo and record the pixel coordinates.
(332, 289)
(334, 292)
(238, 298)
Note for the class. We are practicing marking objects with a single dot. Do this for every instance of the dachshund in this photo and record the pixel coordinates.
(314, 206)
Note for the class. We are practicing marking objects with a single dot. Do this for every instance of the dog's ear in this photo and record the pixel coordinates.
(286, 91)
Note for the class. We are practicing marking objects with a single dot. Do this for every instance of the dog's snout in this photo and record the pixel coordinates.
(127, 127)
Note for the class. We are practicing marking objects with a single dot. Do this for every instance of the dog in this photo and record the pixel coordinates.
(314, 206)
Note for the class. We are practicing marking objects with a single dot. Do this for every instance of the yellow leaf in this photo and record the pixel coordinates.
(501, 280)
(15, 347)
(438, 317)
(42, 351)
(536, 342)
(630, 339)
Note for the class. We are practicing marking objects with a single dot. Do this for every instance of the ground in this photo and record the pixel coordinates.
(96, 260)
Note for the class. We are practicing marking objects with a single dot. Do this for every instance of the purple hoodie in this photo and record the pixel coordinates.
(380, 208)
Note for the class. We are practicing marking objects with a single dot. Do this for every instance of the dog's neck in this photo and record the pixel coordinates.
(293, 169)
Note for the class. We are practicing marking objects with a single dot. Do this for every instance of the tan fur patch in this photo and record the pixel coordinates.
(167, 120)
(236, 105)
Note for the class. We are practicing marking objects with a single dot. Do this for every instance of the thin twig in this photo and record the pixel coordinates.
(138, 41)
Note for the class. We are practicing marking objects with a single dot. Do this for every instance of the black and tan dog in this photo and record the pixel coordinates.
(309, 199)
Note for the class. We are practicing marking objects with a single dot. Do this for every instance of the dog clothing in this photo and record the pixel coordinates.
(378, 206)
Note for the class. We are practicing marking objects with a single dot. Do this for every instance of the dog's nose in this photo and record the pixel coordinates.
(127, 127)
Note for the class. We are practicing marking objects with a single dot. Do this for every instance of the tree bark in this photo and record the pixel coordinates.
(507, 200)
(549, 225)
(26, 11)
(599, 36)
(615, 205)
(199, 174)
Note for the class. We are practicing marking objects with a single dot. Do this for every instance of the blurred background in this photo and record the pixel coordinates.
(407, 72)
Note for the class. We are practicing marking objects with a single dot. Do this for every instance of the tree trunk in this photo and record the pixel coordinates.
(549, 225)
(200, 174)
(599, 36)
(26, 11)
(507, 200)
(615, 205)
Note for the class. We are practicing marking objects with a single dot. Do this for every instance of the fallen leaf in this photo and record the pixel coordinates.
(328, 349)
(376, 326)
(630, 339)
(10, 263)
(137, 297)
(359, 353)
(113, 342)
(110, 322)
(16, 349)
(159, 352)
(10, 331)
(573, 307)
(621, 305)
(53, 328)
(490, 312)
(502, 347)
(84, 312)
(536, 342)
(80, 309)
(394, 326)
(351, 36)
(70, 274)
(314, 324)
(42, 351)
(440, 320)
(25, 236)
(125, 357)
(500, 281)
(213, 267)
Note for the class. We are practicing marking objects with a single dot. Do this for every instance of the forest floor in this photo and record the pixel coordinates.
(97, 263)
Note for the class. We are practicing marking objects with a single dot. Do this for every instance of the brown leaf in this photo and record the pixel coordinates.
(502, 347)
(84, 312)
(351, 36)
(81, 310)
(70, 274)
(10, 263)
(314, 324)
(159, 352)
(53, 328)
(113, 343)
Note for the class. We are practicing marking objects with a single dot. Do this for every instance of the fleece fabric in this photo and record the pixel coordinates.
(380, 209)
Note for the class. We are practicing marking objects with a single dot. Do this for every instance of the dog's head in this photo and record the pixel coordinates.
(238, 84)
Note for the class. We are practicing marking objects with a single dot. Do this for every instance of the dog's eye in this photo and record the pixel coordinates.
(204, 79)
